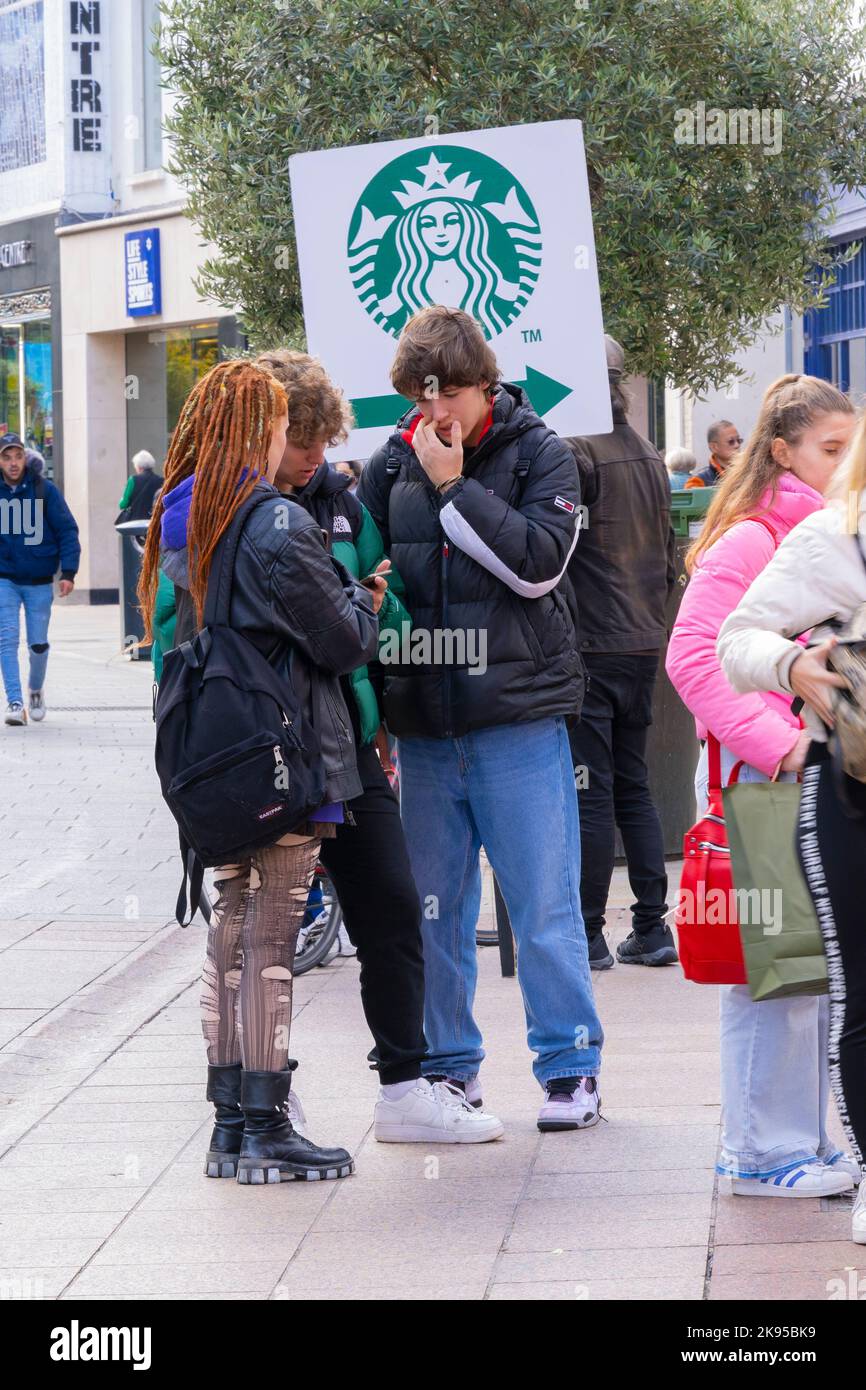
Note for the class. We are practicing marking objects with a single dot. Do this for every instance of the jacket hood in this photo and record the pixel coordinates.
(30, 475)
(789, 503)
(175, 514)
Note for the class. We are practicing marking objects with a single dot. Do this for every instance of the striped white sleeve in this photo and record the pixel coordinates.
(458, 530)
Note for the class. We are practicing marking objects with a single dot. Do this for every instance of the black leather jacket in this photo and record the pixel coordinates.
(305, 612)
(624, 565)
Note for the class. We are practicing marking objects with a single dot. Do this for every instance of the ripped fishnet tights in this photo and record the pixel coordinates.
(246, 998)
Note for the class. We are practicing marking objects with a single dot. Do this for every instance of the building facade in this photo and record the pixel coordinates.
(135, 334)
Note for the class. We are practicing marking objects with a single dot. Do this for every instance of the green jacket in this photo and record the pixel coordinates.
(355, 541)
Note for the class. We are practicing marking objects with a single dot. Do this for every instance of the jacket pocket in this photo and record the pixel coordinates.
(529, 633)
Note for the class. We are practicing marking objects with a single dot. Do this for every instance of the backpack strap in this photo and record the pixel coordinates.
(219, 589)
(193, 874)
(767, 527)
(714, 765)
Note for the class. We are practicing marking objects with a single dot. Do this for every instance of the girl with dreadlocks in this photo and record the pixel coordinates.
(313, 622)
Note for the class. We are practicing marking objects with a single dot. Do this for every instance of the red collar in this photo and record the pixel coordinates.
(409, 432)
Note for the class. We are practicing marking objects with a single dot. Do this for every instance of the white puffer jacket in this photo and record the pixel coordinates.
(817, 574)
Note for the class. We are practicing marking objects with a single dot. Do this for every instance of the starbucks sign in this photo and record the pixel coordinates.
(451, 226)
(494, 222)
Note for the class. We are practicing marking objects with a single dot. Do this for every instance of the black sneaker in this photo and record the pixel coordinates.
(600, 957)
(655, 947)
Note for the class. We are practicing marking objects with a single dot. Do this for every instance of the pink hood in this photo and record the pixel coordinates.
(759, 728)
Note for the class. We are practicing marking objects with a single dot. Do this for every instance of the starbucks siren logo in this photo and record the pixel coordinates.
(464, 234)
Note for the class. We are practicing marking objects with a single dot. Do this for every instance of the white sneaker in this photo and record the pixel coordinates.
(437, 1114)
(470, 1088)
(15, 713)
(573, 1102)
(858, 1219)
(806, 1180)
(37, 706)
(844, 1163)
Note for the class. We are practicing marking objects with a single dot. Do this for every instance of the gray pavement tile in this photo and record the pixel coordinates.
(165, 1281)
(33, 1281)
(16, 1021)
(583, 1266)
(621, 1184)
(803, 1257)
(596, 1290)
(827, 1285)
(67, 1200)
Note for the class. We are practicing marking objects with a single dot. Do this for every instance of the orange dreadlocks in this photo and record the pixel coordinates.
(224, 431)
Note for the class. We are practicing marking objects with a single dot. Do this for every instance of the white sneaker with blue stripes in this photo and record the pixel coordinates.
(806, 1180)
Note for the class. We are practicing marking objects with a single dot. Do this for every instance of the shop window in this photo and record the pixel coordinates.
(162, 366)
(26, 399)
(150, 156)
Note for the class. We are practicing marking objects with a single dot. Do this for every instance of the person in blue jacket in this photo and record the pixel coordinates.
(38, 537)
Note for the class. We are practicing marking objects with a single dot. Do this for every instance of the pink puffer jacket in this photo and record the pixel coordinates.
(758, 728)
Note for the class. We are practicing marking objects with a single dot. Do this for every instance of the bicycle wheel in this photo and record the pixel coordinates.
(317, 936)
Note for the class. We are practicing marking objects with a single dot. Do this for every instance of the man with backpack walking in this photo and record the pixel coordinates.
(38, 536)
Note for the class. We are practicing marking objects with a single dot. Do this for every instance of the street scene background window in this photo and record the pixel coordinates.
(22, 85)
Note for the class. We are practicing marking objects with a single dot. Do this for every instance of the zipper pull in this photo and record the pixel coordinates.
(445, 549)
(278, 756)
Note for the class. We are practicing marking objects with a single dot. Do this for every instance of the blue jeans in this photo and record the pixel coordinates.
(36, 600)
(510, 789)
(774, 1063)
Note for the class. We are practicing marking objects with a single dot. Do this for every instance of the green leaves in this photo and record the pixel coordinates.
(697, 242)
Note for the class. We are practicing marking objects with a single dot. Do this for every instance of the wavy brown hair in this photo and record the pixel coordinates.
(317, 408)
(223, 437)
(789, 407)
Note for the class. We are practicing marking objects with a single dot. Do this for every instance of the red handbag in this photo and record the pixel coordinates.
(706, 921)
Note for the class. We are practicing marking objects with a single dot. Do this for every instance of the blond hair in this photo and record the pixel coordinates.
(789, 407)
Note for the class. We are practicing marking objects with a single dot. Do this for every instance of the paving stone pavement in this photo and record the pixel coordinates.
(104, 1123)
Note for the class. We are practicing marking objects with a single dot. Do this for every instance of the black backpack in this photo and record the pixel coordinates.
(237, 759)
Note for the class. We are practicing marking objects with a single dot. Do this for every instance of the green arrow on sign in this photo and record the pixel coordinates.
(543, 392)
(371, 412)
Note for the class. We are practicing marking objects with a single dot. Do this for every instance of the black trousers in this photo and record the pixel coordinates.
(832, 847)
(609, 751)
(369, 866)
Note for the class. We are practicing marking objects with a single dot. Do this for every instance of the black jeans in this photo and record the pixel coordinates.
(609, 751)
(832, 846)
(369, 867)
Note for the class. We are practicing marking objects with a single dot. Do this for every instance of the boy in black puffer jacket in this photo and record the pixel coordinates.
(478, 503)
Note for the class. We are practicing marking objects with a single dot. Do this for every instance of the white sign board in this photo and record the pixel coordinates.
(496, 222)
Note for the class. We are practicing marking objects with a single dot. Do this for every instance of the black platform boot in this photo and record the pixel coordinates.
(224, 1089)
(271, 1150)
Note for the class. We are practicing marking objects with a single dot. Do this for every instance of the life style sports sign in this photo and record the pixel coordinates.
(495, 222)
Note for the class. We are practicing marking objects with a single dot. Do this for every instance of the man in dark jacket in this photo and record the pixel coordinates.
(621, 573)
(38, 536)
(477, 502)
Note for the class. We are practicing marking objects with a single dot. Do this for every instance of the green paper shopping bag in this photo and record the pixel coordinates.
(782, 944)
